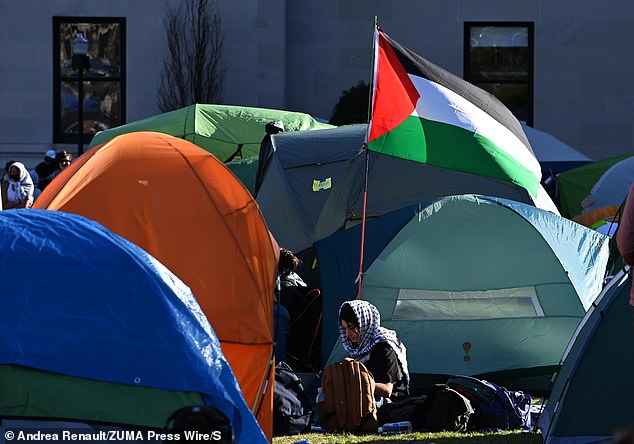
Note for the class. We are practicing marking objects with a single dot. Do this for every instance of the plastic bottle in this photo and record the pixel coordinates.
(395, 428)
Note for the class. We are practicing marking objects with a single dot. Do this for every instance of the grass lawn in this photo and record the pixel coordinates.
(504, 437)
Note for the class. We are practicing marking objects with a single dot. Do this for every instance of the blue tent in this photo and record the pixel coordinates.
(473, 285)
(94, 329)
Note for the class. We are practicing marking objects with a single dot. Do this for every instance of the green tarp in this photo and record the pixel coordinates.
(231, 133)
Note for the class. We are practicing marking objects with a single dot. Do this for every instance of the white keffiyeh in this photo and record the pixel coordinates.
(370, 334)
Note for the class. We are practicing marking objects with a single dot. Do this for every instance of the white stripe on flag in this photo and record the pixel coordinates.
(375, 73)
(440, 104)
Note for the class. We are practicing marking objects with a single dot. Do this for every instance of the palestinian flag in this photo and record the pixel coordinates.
(423, 113)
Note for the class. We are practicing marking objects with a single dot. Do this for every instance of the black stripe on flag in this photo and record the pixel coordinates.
(416, 65)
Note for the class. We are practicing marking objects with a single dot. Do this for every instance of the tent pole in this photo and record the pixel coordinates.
(365, 200)
(367, 155)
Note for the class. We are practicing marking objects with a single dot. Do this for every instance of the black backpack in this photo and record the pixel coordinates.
(444, 409)
(495, 406)
(408, 409)
(292, 409)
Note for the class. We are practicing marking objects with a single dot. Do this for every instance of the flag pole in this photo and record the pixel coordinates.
(367, 161)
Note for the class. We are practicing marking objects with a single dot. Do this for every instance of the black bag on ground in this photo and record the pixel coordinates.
(495, 406)
(444, 409)
(292, 409)
(405, 410)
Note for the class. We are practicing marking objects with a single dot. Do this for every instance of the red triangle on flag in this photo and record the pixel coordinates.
(395, 95)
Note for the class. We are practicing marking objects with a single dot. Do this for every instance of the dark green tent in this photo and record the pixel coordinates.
(591, 399)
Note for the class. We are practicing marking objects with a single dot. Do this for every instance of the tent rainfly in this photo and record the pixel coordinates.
(183, 206)
(231, 133)
(95, 330)
(313, 184)
(473, 285)
(591, 398)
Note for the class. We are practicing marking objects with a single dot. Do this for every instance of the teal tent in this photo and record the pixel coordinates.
(591, 399)
(473, 285)
(231, 133)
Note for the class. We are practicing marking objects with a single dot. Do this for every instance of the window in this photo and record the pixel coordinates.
(99, 82)
(499, 59)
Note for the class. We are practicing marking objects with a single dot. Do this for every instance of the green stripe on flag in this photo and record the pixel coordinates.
(447, 146)
(406, 140)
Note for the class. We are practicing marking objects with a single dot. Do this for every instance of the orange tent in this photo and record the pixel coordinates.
(183, 206)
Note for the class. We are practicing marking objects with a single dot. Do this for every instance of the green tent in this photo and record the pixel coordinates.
(33, 393)
(231, 133)
(576, 184)
(591, 399)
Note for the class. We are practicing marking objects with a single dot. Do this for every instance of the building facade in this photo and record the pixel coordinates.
(300, 55)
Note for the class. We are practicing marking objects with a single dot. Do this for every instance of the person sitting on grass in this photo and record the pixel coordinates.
(378, 348)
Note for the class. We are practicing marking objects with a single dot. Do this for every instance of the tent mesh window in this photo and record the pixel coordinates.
(414, 304)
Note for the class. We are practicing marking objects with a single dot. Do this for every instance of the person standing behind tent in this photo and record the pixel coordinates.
(304, 308)
(293, 286)
(625, 238)
(63, 159)
(46, 168)
(17, 187)
(383, 354)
